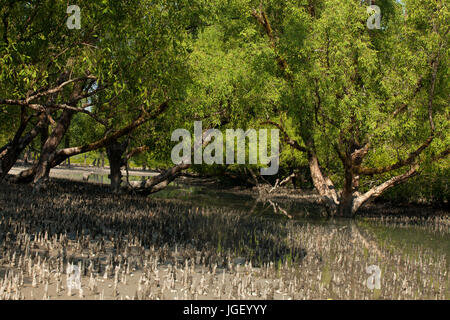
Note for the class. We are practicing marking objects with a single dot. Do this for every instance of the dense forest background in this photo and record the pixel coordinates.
(362, 112)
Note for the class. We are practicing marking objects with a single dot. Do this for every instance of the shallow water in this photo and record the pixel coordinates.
(402, 234)
(297, 252)
(407, 235)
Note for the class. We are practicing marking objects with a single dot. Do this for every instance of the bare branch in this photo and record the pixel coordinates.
(57, 89)
(378, 190)
(23, 103)
(399, 164)
(69, 152)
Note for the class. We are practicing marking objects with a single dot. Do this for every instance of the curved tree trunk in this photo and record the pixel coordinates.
(323, 184)
(48, 153)
(378, 190)
(159, 182)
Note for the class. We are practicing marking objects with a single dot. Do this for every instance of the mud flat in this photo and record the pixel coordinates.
(131, 247)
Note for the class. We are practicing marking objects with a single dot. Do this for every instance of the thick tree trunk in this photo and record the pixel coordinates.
(323, 184)
(346, 205)
(49, 149)
(48, 153)
(115, 153)
(352, 159)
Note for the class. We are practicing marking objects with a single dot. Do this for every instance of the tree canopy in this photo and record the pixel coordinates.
(363, 109)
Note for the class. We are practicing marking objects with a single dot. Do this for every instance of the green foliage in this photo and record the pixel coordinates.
(214, 62)
(431, 187)
(348, 80)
